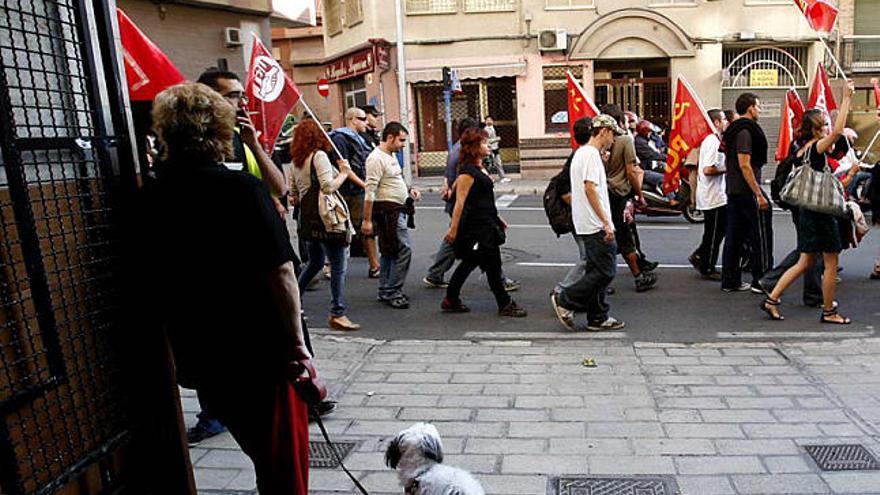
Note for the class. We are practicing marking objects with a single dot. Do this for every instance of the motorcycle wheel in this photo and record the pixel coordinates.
(693, 215)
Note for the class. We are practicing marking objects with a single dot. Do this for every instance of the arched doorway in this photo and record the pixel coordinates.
(768, 71)
(631, 51)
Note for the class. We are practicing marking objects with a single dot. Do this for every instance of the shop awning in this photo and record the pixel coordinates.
(435, 74)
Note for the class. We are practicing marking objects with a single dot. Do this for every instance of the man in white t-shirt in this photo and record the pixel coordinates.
(584, 288)
(711, 199)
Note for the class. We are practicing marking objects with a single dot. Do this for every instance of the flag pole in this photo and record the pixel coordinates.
(871, 144)
(324, 131)
(833, 58)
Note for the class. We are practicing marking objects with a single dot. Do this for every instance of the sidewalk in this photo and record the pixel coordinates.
(726, 418)
(517, 185)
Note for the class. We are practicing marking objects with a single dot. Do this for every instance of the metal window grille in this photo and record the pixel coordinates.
(489, 5)
(61, 400)
(788, 62)
(431, 6)
(568, 4)
(354, 12)
(556, 98)
(333, 17)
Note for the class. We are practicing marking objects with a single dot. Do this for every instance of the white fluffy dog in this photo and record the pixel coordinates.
(417, 455)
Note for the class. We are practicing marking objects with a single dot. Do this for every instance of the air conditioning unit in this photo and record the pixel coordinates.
(553, 40)
(232, 36)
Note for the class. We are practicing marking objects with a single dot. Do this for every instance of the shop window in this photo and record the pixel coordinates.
(489, 5)
(355, 92)
(431, 6)
(569, 4)
(354, 12)
(333, 16)
(556, 98)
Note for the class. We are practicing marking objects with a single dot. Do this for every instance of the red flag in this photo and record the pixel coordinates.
(271, 94)
(690, 125)
(876, 93)
(820, 14)
(821, 96)
(579, 106)
(792, 113)
(147, 70)
(796, 106)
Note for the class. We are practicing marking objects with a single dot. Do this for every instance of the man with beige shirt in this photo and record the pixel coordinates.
(387, 213)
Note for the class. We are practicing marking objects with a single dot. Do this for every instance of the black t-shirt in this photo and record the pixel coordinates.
(736, 183)
(212, 238)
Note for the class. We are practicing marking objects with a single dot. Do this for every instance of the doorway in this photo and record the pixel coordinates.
(642, 87)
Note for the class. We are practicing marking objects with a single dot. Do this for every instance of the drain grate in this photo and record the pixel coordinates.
(851, 457)
(624, 485)
(321, 457)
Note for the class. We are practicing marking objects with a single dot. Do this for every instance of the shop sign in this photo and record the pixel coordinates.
(763, 77)
(383, 58)
(349, 66)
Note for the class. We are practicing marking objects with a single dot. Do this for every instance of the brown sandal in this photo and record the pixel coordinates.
(827, 314)
(771, 307)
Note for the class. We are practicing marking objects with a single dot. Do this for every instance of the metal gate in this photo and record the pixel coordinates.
(64, 402)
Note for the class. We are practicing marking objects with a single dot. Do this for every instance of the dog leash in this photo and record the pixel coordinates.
(336, 453)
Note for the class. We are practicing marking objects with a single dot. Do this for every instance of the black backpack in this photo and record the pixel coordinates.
(557, 210)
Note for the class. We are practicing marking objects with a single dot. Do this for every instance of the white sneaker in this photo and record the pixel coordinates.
(743, 287)
(505, 180)
(565, 316)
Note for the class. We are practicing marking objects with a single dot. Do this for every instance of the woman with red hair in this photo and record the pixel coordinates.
(477, 232)
(312, 171)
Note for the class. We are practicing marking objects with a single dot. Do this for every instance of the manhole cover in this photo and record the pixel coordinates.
(626, 485)
(852, 457)
(320, 456)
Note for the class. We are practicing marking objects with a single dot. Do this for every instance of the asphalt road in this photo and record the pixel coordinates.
(682, 308)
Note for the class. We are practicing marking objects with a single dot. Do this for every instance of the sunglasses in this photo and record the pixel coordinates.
(362, 119)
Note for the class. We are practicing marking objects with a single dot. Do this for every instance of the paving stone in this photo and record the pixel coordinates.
(543, 401)
(704, 485)
(683, 380)
(787, 464)
(456, 368)
(625, 430)
(814, 402)
(770, 484)
(604, 464)
(245, 481)
(748, 352)
(853, 482)
(546, 430)
(514, 485)
(474, 401)
(515, 389)
(450, 388)
(811, 416)
(195, 454)
(469, 429)
(392, 367)
(706, 370)
(796, 390)
(680, 416)
(841, 430)
(589, 414)
(719, 465)
(756, 447)
(417, 378)
(484, 378)
(330, 480)
(748, 380)
(673, 446)
(531, 415)
(365, 412)
(214, 479)
(517, 368)
(705, 430)
(670, 361)
(690, 403)
(223, 458)
(730, 360)
(367, 427)
(640, 414)
(591, 446)
(403, 400)
(768, 370)
(435, 414)
(781, 430)
(473, 463)
(543, 464)
(375, 482)
(505, 446)
(726, 391)
(758, 402)
(737, 416)
(694, 351)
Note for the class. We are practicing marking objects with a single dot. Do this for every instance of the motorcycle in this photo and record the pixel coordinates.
(659, 205)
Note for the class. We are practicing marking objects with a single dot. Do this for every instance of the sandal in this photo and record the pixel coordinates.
(373, 273)
(771, 307)
(828, 314)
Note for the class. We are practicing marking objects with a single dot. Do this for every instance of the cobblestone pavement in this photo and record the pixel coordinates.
(725, 418)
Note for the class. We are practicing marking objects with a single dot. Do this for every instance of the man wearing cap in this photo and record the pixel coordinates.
(585, 288)
(371, 134)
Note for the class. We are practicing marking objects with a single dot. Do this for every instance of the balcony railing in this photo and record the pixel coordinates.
(861, 53)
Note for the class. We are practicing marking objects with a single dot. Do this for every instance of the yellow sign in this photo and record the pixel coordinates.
(763, 77)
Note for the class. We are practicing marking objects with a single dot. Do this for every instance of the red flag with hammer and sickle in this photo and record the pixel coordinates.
(271, 94)
(147, 70)
(690, 125)
(819, 13)
(579, 106)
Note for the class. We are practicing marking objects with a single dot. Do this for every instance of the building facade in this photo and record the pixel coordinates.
(512, 56)
(858, 48)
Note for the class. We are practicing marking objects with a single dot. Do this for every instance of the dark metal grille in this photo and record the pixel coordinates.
(61, 416)
(628, 485)
(852, 457)
(321, 457)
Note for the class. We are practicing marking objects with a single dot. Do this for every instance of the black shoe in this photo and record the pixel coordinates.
(197, 433)
(695, 262)
(448, 306)
(714, 276)
(645, 281)
(513, 310)
(322, 409)
(647, 266)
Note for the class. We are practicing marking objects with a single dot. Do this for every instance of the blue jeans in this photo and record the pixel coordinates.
(337, 253)
(585, 285)
(393, 270)
(443, 261)
(858, 179)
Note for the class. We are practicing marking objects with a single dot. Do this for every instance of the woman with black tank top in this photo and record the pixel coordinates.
(477, 232)
(818, 233)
